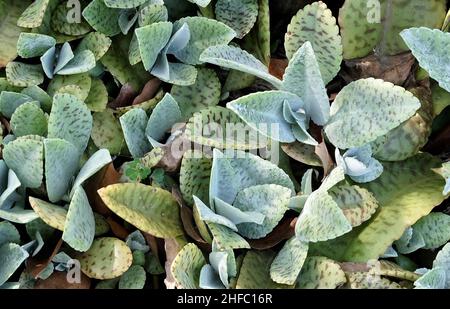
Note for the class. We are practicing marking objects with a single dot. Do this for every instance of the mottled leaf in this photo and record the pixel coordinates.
(107, 258)
(238, 15)
(28, 119)
(71, 120)
(151, 209)
(316, 24)
(367, 109)
(186, 267)
(231, 57)
(205, 33)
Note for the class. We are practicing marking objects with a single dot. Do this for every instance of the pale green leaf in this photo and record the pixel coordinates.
(205, 33)
(70, 119)
(231, 57)
(238, 15)
(367, 109)
(186, 267)
(316, 24)
(79, 227)
(150, 209)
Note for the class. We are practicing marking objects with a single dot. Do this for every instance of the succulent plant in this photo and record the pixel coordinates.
(224, 144)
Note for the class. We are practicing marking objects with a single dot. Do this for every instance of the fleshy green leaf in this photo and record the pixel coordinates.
(186, 267)
(32, 45)
(79, 227)
(97, 98)
(150, 209)
(267, 108)
(10, 101)
(61, 162)
(25, 156)
(357, 204)
(107, 132)
(376, 26)
(24, 75)
(83, 62)
(10, 11)
(410, 241)
(102, 18)
(234, 171)
(96, 42)
(11, 257)
(255, 271)
(367, 109)
(359, 164)
(238, 15)
(61, 84)
(107, 258)
(443, 260)
(29, 119)
(269, 200)
(38, 94)
(321, 219)
(401, 205)
(221, 128)
(428, 47)
(303, 78)
(33, 16)
(95, 163)
(134, 124)
(302, 153)
(152, 13)
(204, 93)
(8, 233)
(62, 24)
(164, 116)
(433, 279)
(320, 273)
(152, 39)
(195, 175)
(315, 23)
(71, 120)
(226, 239)
(435, 229)
(52, 215)
(286, 266)
(134, 278)
(231, 57)
(205, 33)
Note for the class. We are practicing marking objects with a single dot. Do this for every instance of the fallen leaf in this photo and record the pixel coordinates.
(324, 155)
(173, 153)
(149, 91)
(125, 97)
(394, 69)
(277, 67)
(118, 230)
(171, 247)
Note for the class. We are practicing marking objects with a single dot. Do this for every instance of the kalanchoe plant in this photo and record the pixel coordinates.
(235, 210)
(186, 40)
(200, 144)
(54, 59)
